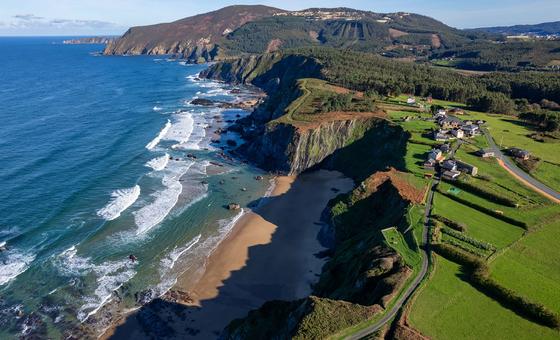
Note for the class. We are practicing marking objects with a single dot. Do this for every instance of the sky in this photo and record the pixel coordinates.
(113, 17)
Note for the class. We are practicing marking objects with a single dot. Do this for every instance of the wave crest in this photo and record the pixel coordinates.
(120, 201)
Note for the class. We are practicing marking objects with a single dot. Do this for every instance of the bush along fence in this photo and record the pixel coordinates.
(469, 240)
(462, 227)
(479, 191)
(485, 210)
(478, 274)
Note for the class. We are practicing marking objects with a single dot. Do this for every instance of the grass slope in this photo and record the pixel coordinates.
(450, 308)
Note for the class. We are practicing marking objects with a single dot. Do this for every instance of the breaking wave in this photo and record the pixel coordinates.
(162, 133)
(14, 263)
(152, 214)
(109, 276)
(158, 163)
(120, 201)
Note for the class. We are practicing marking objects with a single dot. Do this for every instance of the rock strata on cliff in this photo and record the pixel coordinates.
(194, 38)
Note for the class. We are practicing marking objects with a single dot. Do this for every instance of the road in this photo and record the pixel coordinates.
(517, 172)
(414, 285)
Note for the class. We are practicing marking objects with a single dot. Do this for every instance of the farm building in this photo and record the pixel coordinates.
(458, 133)
(451, 175)
(519, 153)
(485, 153)
(449, 164)
(450, 122)
(467, 168)
(470, 130)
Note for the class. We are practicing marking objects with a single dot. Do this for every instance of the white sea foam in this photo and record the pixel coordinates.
(120, 201)
(181, 130)
(157, 108)
(109, 276)
(196, 136)
(152, 214)
(159, 163)
(162, 133)
(169, 261)
(14, 264)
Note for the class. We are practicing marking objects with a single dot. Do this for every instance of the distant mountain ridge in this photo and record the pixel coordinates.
(192, 37)
(237, 30)
(546, 28)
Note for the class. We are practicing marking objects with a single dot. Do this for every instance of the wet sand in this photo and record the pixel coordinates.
(270, 254)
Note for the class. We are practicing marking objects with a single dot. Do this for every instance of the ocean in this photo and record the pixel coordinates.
(103, 158)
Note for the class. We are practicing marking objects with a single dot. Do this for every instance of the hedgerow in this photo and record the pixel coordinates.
(485, 210)
(462, 227)
(479, 191)
(478, 274)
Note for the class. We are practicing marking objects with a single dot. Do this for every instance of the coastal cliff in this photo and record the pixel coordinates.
(287, 134)
(287, 149)
(194, 38)
(307, 123)
(363, 275)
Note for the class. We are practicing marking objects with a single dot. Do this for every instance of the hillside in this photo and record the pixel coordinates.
(237, 30)
(190, 37)
(545, 28)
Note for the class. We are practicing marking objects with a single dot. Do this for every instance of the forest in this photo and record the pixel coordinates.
(492, 92)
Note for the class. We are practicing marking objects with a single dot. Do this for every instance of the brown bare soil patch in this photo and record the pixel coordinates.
(404, 332)
(315, 120)
(273, 45)
(342, 90)
(393, 33)
(436, 41)
(407, 190)
(314, 35)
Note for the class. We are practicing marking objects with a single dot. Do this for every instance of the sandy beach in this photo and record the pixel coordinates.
(270, 254)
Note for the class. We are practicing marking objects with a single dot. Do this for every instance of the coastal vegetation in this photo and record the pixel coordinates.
(482, 218)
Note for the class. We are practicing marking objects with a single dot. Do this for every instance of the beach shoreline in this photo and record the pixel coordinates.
(270, 254)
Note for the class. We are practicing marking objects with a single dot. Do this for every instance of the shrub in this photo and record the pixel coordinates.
(486, 210)
(484, 193)
(469, 240)
(462, 227)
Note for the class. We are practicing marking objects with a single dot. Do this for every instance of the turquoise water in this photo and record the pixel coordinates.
(87, 180)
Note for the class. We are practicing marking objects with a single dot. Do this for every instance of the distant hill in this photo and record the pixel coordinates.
(237, 30)
(547, 28)
(241, 30)
(193, 36)
(89, 40)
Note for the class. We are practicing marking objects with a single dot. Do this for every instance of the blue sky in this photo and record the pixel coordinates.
(86, 17)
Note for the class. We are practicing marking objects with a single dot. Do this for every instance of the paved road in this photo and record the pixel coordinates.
(517, 171)
(423, 271)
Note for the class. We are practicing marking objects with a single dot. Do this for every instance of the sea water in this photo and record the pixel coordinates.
(94, 168)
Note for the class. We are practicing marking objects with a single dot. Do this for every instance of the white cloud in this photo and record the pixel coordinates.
(30, 24)
(27, 17)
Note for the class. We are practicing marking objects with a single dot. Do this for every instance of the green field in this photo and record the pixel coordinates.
(395, 240)
(532, 266)
(480, 226)
(450, 308)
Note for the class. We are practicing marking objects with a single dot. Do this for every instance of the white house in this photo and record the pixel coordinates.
(458, 133)
(470, 130)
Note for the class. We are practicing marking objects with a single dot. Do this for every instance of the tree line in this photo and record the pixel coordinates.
(493, 92)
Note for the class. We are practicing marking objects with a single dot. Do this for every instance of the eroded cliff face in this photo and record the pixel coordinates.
(361, 278)
(287, 149)
(195, 38)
